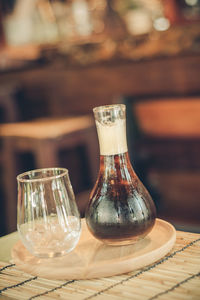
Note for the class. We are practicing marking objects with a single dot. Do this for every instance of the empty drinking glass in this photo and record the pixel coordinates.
(48, 219)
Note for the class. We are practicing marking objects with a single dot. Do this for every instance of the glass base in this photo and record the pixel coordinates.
(122, 242)
(52, 254)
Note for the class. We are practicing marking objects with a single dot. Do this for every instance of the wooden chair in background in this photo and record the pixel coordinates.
(164, 141)
(45, 139)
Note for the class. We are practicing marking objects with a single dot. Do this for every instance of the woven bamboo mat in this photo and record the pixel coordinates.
(176, 276)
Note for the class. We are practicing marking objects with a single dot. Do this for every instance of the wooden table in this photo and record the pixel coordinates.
(176, 276)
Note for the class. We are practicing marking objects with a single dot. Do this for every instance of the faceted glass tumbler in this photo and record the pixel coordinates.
(48, 219)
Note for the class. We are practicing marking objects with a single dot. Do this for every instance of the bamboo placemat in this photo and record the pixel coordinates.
(176, 276)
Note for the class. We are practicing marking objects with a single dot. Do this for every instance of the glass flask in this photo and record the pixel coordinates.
(48, 219)
(120, 210)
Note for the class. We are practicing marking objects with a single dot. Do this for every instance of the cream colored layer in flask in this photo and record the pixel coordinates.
(112, 137)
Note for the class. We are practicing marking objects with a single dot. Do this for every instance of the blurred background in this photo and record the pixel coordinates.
(61, 58)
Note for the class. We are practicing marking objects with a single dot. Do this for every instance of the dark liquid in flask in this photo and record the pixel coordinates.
(120, 210)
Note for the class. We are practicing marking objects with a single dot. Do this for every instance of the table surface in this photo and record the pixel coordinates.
(176, 276)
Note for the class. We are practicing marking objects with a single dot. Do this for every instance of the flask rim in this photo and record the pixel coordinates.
(109, 107)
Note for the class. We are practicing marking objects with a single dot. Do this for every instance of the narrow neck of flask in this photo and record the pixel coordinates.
(116, 167)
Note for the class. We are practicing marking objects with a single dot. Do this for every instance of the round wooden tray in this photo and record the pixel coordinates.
(93, 259)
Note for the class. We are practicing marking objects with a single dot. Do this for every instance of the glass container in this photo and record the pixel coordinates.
(48, 219)
(120, 209)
